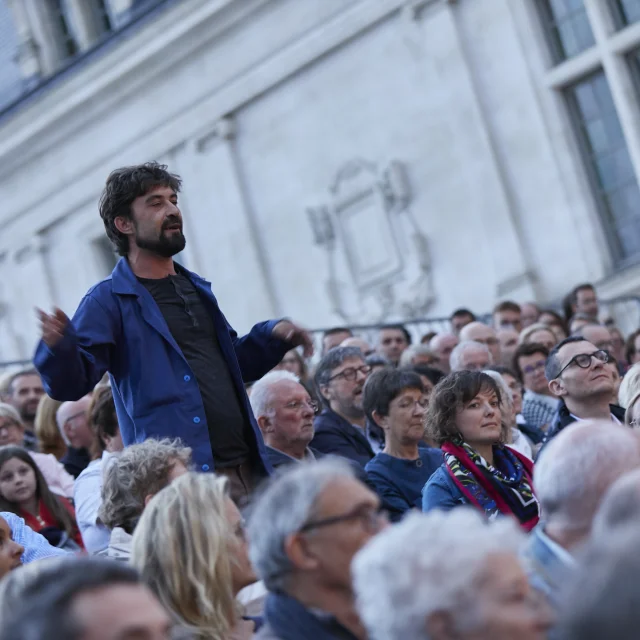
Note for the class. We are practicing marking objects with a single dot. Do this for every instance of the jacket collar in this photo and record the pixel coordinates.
(124, 281)
(291, 620)
(550, 562)
(348, 428)
(566, 418)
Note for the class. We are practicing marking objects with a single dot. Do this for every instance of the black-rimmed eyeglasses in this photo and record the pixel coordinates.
(351, 373)
(583, 360)
(372, 519)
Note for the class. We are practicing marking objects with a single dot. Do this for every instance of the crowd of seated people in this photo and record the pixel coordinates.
(481, 482)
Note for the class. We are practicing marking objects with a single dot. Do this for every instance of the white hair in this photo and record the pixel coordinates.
(455, 360)
(283, 508)
(577, 467)
(262, 391)
(427, 563)
(629, 386)
(413, 350)
(60, 422)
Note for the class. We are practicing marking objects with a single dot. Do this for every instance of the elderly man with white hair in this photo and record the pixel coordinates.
(304, 530)
(470, 356)
(73, 422)
(418, 354)
(571, 477)
(441, 576)
(284, 412)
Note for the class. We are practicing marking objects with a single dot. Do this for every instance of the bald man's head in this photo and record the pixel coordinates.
(578, 467)
(73, 422)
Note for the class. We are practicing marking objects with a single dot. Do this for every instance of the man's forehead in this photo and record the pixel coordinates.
(343, 495)
(159, 189)
(350, 362)
(389, 333)
(575, 348)
(26, 380)
(288, 388)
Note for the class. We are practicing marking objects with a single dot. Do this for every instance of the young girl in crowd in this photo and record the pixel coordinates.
(24, 491)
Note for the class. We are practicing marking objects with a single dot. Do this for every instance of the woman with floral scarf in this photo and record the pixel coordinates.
(465, 421)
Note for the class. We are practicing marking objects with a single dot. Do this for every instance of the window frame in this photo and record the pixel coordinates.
(600, 195)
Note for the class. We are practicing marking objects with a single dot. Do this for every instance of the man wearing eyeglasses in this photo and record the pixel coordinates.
(304, 531)
(581, 375)
(341, 427)
(284, 412)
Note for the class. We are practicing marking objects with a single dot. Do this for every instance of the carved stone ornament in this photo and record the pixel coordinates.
(378, 258)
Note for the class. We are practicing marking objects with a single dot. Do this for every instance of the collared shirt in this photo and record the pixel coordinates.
(538, 409)
(36, 547)
(278, 458)
(613, 418)
(88, 499)
(564, 556)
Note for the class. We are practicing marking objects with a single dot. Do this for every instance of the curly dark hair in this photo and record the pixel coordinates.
(451, 395)
(123, 186)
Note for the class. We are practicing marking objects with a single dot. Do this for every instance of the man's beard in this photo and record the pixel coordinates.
(165, 246)
(28, 413)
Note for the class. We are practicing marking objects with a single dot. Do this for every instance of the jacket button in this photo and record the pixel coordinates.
(187, 378)
(196, 420)
(205, 467)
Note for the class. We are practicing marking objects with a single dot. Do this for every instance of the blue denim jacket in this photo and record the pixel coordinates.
(119, 328)
(441, 492)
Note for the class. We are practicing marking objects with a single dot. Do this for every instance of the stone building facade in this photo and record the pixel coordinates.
(344, 161)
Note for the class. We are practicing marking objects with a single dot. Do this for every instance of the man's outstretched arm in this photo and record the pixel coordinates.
(73, 355)
(265, 345)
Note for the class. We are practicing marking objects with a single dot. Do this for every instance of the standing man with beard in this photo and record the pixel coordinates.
(177, 367)
(23, 394)
(341, 427)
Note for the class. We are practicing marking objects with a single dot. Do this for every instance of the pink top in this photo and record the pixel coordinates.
(59, 481)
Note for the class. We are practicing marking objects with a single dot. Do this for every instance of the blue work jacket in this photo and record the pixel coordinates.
(119, 328)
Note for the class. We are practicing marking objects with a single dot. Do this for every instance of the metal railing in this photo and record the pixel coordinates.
(624, 311)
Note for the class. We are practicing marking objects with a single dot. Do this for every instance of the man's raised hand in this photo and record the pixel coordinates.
(52, 326)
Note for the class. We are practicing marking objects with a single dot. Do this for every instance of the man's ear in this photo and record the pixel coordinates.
(557, 388)
(325, 392)
(296, 549)
(265, 423)
(124, 225)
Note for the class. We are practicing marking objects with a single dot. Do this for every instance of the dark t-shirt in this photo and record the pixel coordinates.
(193, 329)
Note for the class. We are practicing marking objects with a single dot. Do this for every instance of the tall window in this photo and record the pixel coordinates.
(567, 27)
(608, 162)
(62, 27)
(102, 17)
(625, 11)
